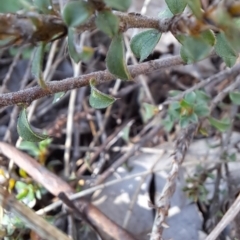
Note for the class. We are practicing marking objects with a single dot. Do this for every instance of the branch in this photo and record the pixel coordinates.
(163, 203)
(30, 94)
(56, 185)
(30, 218)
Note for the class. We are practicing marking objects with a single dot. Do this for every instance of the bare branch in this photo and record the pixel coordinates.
(29, 217)
(55, 185)
(30, 94)
(163, 203)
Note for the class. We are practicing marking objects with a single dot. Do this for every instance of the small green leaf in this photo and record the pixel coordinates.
(165, 14)
(122, 5)
(10, 6)
(98, 99)
(78, 55)
(201, 110)
(71, 46)
(37, 64)
(168, 124)
(142, 44)
(235, 97)
(58, 96)
(209, 37)
(22, 194)
(176, 6)
(126, 132)
(195, 48)
(193, 118)
(195, 6)
(224, 50)
(25, 131)
(184, 121)
(185, 104)
(190, 97)
(30, 147)
(44, 5)
(107, 22)
(202, 96)
(174, 111)
(76, 13)
(148, 111)
(221, 125)
(115, 59)
(174, 93)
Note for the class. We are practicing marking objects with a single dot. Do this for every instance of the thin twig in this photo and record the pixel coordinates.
(227, 218)
(55, 185)
(230, 72)
(127, 155)
(163, 203)
(30, 218)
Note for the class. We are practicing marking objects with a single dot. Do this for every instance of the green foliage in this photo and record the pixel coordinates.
(25, 131)
(148, 111)
(176, 6)
(76, 13)
(122, 5)
(10, 6)
(44, 6)
(235, 97)
(78, 55)
(196, 48)
(58, 96)
(142, 44)
(37, 64)
(107, 22)
(115, 59)
(165, 14)
(26, 193)
(195, 6)
(36, 150)
(126, 132)
(98, 99)
(220, 125)
(11, 223)
(26, 53)
(224, 50)
(187, 110)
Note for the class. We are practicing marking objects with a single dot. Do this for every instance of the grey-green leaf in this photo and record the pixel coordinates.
(190, 97)
(84, 54)
(235, 97)
(44, 5)
(71, 46)
(7, 6)
(38, 63)
(142, 44)
(107, 22)
(176, 6)
(221, 125)
(224, 50)
(25, 131)
(76, 13)
(115, 59)
(98, 99)
(195, 6)
(121, 5)
(58, 96)
(194, 48)
(201, 110)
